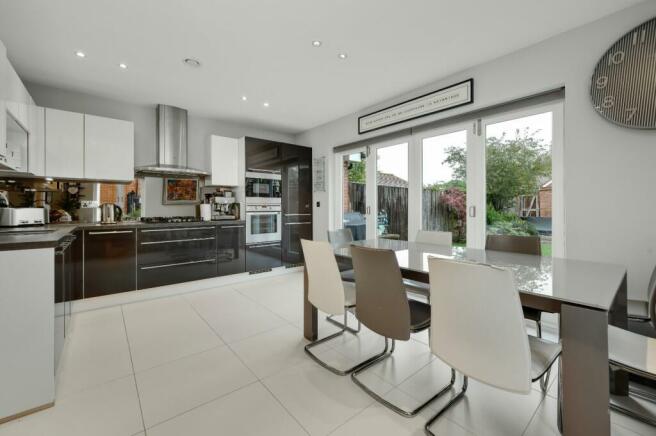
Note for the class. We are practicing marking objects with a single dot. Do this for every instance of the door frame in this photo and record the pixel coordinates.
(557, 168)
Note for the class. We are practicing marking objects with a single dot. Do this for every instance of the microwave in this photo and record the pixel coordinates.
(263, 185)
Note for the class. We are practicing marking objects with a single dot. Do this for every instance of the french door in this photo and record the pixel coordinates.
(501, 174)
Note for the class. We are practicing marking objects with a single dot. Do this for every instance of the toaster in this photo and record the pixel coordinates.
(21, 216)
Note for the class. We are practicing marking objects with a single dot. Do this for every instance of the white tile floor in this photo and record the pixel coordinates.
(230, 361)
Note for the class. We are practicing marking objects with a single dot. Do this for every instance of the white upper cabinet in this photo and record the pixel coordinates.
(36, 148)
(108, 149)
(64, 142)
(225, 161)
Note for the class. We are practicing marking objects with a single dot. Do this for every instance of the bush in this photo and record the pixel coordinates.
(507, 223)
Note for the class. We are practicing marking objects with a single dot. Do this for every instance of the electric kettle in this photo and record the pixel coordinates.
(110, 213)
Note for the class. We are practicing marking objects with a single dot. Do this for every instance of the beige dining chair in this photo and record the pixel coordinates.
(384, 308)
(328, 293)
(521, 245)
(502, 355)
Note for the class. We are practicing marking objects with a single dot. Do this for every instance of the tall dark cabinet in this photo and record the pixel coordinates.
(296, 201)
(294, 163)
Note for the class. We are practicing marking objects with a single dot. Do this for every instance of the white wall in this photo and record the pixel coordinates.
(145, 125)
(609, 171)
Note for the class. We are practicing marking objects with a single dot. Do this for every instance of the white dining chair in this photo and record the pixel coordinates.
(340, 238)
(435, 238)
(502, 355)
(427, 237)
(328, 293)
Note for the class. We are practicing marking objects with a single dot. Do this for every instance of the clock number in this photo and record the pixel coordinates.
(608, 102)
(616, 58)
(630, 113)
(602, 82)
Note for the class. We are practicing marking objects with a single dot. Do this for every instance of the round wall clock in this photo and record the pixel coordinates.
(623, 88)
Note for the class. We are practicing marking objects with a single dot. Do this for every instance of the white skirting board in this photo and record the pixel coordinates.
(176, 289)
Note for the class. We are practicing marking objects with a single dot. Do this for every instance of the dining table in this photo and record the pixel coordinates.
(587, 295)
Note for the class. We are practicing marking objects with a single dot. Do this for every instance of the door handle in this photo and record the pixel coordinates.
(472, 211)
(297, 224)
(368, 210)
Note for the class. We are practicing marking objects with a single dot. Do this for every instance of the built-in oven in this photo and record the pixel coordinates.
(261, 187)
(263, 223)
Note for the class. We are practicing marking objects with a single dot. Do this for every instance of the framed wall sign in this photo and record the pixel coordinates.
(443, 99)
(181, 191)
(319, 176)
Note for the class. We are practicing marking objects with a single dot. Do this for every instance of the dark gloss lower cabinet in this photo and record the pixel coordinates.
(262, 257)
(175, 255)
(231, 249)
(109, 262)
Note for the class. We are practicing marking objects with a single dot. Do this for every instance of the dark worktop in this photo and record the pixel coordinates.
(49, 236)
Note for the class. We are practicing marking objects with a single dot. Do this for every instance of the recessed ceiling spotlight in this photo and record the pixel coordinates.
(265, 104)
(190, 62)
(342, 56)
(49, 179)
(80, 54)
(123, 66)
(244, 98)
(316, 43)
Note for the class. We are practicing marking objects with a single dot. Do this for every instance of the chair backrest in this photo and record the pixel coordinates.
(325, 288)
(340, 236)
(652, 298)
(437, 238)
(382, 302)
(477, 324)
(514, 244)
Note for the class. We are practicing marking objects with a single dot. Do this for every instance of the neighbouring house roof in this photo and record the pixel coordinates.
(546, 185)
(387, 179)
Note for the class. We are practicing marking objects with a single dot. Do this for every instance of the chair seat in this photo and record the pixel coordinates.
(348, 275)
(416, 287)
(420, 315)
(532, 314)
(632, 351)
(638, 309)
(543, 354)
(349, 294)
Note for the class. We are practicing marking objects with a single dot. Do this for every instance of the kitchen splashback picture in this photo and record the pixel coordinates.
(181, 191)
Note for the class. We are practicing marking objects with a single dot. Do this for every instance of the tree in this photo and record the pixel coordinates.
(357, 172)
(514, 166)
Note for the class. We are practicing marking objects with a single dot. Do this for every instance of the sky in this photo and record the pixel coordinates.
(394, 159)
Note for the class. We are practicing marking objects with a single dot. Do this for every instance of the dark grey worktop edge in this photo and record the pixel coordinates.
(53, 239)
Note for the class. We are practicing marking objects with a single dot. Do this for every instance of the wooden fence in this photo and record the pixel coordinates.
(393, 203)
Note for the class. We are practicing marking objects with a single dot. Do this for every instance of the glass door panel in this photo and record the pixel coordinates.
(518, 182)
(391, 195)
(354, 193)
(444, 184)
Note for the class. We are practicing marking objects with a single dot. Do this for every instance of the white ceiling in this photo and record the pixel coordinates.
(262, 49)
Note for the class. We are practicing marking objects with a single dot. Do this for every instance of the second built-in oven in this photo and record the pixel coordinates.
(263, 223)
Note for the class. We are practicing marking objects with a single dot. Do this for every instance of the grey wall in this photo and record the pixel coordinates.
(144, 119)
(608, 170)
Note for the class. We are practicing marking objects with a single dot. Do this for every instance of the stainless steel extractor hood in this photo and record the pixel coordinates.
(171, 145)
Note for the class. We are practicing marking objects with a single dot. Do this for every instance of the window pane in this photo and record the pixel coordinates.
(518, 177)
(392, 191)
(444, 192)
(354, 195)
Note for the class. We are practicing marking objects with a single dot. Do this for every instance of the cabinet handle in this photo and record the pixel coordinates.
(171, 241)
(232, 227)
(112, 232)
(277, 244)
(298, 214)
(297, 224)
(178, 264)
(175, 229)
